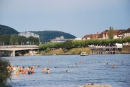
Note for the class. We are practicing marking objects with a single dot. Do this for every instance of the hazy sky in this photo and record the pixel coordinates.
(77, 17)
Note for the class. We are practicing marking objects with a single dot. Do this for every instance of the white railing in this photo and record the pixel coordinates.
(96, 47)
(18, 46)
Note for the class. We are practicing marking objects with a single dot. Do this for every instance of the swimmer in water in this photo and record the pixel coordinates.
(48, 71)
(44, 70)
(38, 66)
(23, 71)
(67, 70)
(76, 64)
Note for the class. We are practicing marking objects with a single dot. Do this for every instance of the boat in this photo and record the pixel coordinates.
(83, 54)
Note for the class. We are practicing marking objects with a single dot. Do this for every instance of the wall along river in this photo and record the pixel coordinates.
(82, 69)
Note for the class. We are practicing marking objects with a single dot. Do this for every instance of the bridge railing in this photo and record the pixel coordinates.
(18, 46)
(98, 47)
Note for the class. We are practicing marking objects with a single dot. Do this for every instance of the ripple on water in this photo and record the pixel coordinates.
(93, 70)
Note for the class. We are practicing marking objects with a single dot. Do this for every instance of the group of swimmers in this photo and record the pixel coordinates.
(29, 70)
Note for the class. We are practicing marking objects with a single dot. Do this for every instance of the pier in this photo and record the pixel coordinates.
(106, 49)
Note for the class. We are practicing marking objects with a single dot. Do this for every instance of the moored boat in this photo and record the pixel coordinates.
(83, 54)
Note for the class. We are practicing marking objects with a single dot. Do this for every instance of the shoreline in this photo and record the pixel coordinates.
(95, 85)
(64, 54)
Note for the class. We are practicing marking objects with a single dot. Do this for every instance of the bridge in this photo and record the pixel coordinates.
(13, 48)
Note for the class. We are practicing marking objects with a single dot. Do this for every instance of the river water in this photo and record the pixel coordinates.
(82, 69)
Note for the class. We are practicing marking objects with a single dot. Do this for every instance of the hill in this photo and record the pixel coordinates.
(45, 36)
(7, 30)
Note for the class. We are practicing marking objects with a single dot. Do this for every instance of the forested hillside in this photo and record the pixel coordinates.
(7, 30)
(45, 36)
(49, 35)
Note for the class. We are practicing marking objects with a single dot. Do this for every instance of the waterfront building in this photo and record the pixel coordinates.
(104, 35)
(127, 33)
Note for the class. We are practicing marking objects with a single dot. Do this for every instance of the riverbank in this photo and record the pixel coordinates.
(73, 51)
(126, 50)
(77, 51)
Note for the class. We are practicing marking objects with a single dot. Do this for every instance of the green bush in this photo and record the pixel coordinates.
(4, 73)
(47, 50)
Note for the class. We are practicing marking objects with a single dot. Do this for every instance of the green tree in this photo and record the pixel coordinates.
(67, 44)
(22, 40)
(111, 33)
(4, 39)
(47, 50)
(126, 39)
(33, 40)
(76, 43)
(13, 39)
(4, 73)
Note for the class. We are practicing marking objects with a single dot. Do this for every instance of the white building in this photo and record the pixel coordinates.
(28, 34)
(59, 39)
(127, 33)
(78, 39)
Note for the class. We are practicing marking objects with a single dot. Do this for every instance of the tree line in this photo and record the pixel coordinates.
(14, 39)
(82, 43)
(85, 43)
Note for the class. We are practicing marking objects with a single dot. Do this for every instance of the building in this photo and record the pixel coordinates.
(104, 35)
(28, 34)
(78, 39)
(127, 33)
(58, 39)
(91, 36)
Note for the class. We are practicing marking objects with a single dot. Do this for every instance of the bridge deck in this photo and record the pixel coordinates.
(17, 46)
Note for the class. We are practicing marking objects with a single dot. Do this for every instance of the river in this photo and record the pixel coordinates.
(82, 69)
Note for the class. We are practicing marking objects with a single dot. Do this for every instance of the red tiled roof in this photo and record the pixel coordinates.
(92, 36)
(127, 31)
(116, 32)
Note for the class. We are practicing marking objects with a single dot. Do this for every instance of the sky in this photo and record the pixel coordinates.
(77, 17)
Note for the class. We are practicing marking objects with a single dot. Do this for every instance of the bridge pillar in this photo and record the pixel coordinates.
(13, 53)
(31, 52)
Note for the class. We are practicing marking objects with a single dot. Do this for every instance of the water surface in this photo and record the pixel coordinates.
(95, 69)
